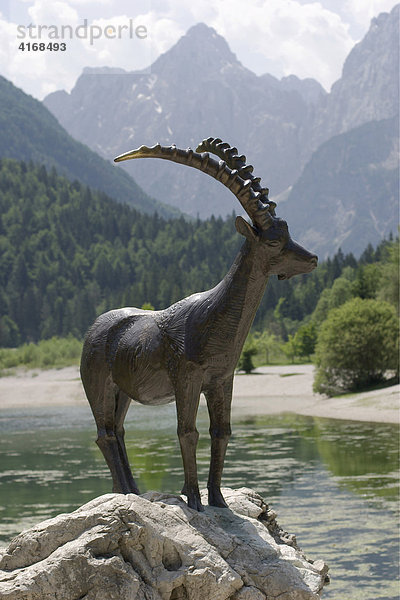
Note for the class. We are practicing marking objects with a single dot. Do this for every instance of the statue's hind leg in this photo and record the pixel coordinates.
(109, 410)
(122, 404)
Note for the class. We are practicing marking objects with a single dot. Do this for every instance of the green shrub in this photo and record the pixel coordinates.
(55, 352)
(357, 345)
(246, 358)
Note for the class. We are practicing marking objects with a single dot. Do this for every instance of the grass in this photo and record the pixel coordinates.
(277, 359)
(63, 352)
(46, 354)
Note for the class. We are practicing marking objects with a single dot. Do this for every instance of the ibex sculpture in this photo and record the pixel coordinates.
(155, 357)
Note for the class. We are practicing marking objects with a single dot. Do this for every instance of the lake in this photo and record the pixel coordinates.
(335, 484)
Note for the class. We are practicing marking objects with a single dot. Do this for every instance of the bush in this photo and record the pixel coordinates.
(55, 352)
(246, 361)
(357, 345)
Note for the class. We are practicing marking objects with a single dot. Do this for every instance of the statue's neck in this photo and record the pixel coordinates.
(240, 292)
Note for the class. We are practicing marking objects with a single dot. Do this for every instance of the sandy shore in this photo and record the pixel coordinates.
(274, 390)
(271, 390)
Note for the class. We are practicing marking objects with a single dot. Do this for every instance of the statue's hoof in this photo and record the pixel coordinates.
(216, 499)
(194, 502)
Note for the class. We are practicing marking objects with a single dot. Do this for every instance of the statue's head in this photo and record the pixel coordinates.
(280, 255)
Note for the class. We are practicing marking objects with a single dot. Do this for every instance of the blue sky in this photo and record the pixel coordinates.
(281, 37)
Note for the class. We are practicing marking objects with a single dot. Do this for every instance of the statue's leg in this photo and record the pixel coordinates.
(187, 402)
(104, 408)
(219, 399)
(123, 402)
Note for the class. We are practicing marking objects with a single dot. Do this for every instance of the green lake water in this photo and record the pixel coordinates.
(335, 484)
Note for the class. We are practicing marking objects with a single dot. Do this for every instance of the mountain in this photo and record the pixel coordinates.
(287, 128)
(31, 132)
(309, 89)
(368, 89)
(196, 89)
(348, 192)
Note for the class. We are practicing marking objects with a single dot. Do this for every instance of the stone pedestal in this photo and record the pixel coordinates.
(153, 547)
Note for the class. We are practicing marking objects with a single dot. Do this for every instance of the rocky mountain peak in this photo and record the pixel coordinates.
(368, 89)
(381, 42)
(202, 47)
(199, 88)
(309, 89)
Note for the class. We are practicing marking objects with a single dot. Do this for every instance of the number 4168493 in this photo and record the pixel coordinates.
(42, 46)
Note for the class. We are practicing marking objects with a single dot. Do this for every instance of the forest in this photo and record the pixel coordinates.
(69, 253)
(30, 132)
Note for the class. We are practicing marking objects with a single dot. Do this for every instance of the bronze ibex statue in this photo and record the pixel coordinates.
(155, 357)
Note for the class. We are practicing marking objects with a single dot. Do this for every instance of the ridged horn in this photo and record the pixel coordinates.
(259, 212)
(234, 161)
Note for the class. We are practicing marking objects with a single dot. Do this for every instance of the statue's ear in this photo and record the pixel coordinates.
(244, 228)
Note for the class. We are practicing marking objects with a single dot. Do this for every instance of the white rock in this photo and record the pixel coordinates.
(153, 547)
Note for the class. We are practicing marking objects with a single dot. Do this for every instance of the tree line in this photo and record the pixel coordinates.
(69, 253)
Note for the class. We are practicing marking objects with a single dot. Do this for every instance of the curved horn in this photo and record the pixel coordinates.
(234, 161)
(258, 211)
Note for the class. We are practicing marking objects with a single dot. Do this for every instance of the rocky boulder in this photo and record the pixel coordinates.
(153, 547)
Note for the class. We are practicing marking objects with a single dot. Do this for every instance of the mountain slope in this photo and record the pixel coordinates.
(30, 132)
(348, 192)
(368, 89)
(195, 90)
(199, 88)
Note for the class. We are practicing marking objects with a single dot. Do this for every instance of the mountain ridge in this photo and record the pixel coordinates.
(219, 96)
(363, 163)
(199, 88)
(368, 88)
(31, 132)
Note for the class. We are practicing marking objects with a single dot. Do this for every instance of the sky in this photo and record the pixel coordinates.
(280, 37)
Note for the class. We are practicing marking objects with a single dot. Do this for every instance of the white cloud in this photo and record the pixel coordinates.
(94, 2)
(53, 12)
(40, 72)
(362, 11)
(281, 37)
(164, 32)
(287, 37)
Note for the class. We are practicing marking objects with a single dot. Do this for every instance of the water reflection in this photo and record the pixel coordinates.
(333, 483)
(363, 457)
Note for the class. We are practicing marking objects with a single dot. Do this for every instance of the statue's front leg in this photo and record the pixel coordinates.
(219, 399)
(187, 402)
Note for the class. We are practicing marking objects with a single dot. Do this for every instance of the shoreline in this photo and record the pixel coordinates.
(267, 391)
(296, 396)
